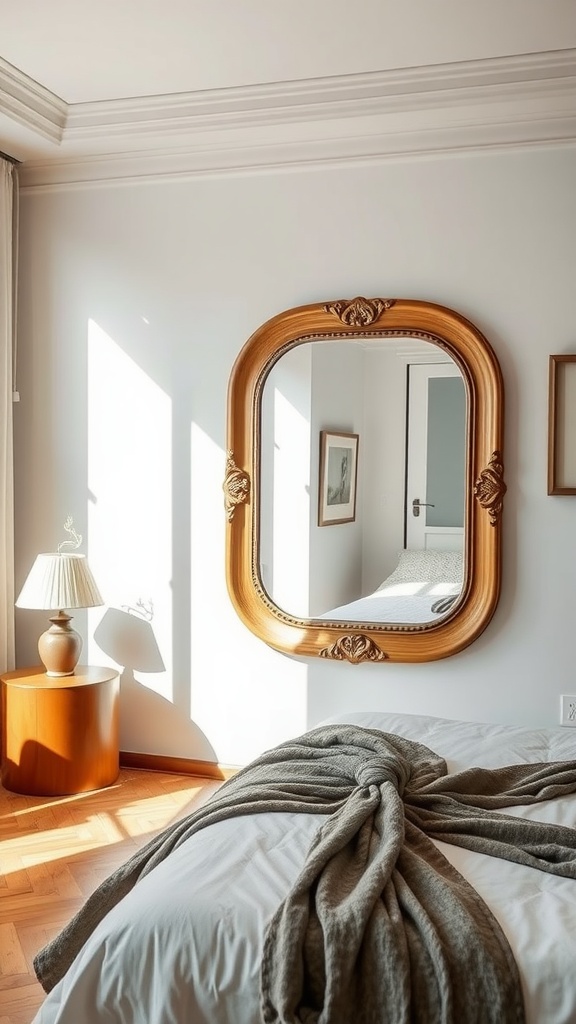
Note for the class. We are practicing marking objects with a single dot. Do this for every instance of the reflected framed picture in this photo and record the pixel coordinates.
(338, 477)
(562, 425)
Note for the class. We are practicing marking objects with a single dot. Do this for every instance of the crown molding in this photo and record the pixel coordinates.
(134, 169)
(31, 105)
(513, 101)
(312, 99)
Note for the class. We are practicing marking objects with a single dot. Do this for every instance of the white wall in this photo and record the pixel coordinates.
(135, 300)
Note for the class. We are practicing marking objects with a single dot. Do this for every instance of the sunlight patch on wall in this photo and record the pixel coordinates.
(231, 668)
(214, 686)
(130, 493)
(207, 533)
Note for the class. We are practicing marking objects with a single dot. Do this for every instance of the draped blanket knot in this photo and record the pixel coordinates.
(378, 927)
(375, 771)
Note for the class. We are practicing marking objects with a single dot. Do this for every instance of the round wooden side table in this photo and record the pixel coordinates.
(60, 734)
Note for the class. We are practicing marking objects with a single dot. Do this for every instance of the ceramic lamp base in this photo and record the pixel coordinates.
(60, 647)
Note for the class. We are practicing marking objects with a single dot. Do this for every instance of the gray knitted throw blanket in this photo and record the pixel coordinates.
(378, 928)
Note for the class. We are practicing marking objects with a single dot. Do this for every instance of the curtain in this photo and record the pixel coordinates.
(8, 242)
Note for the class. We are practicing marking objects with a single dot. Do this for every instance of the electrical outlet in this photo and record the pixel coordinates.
(568, 709)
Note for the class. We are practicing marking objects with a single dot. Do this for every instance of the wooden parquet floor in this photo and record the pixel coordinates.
(54, 851)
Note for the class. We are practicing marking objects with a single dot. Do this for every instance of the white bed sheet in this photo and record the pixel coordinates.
(185, 944)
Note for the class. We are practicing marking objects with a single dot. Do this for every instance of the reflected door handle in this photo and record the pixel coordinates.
(417, 505)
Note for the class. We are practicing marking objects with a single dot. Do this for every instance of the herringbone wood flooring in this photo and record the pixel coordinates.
(55, 850)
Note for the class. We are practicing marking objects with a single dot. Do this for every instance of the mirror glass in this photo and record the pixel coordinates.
(363, 481)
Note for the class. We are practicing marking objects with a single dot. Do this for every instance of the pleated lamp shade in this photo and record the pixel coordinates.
(56, 581)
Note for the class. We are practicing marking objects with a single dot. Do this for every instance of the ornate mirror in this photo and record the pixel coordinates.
(364, 481)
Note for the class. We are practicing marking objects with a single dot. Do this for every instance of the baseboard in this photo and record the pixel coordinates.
(177, 765)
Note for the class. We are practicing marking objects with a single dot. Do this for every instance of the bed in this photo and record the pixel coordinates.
(422, 588)
(187, 942)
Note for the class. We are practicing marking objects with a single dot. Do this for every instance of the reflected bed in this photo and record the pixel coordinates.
(422, 588)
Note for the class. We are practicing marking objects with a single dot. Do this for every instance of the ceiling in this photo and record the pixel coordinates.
(71, 70)
(106, 49)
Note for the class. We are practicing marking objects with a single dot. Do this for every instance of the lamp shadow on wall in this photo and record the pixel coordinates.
(128, 638)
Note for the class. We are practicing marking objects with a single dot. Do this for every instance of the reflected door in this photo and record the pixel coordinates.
(436, 457)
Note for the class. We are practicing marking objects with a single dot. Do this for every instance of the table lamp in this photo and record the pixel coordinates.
(56, 581)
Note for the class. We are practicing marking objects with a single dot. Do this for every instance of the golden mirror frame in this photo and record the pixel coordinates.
(347, 320)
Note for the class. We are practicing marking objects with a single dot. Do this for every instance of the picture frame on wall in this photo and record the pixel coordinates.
(338, 477)
(562, 424)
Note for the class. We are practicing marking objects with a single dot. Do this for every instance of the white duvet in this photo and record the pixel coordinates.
(184, 946)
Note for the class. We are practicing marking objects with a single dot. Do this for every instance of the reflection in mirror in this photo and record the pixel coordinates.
(406, 401)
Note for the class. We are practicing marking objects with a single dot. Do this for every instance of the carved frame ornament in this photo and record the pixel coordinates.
(490, 488)
(355, 648)
(368, 319)
(236, 487)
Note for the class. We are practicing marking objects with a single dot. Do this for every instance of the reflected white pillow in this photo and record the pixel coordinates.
(427, 566)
